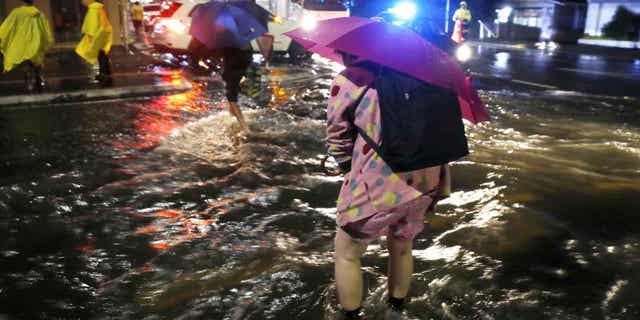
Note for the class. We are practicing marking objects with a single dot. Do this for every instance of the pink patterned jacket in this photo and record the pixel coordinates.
(370, 187)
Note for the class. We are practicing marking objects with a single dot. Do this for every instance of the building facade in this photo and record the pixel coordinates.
(65, 17)
(561, 21)
(600, 12)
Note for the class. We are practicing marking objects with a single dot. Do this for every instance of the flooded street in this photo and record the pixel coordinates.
(154, 209)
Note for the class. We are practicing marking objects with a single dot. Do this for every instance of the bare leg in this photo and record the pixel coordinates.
(400, 266)
(348, 270)
(234, 109)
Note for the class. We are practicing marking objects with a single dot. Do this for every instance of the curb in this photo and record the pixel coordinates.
(498, 45)
(32, 100)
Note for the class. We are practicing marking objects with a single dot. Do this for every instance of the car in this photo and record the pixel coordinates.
(151, 12)
(171, 30)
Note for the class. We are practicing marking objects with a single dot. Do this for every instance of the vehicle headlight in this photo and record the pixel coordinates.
(463, 53)
(308, 23)
(173, 25)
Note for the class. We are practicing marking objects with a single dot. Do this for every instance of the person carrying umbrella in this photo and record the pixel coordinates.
(25, 37)
(95, 45)
(224, 30)
(394, 122)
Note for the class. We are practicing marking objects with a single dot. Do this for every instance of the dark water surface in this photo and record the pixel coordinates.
(155, 210)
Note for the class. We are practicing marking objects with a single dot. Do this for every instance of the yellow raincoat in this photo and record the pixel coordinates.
(97, 33)
(24, 36)
(462, 14)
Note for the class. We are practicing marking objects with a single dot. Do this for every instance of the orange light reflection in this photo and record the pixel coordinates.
(158, 118)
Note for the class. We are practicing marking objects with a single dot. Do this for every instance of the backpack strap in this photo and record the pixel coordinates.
(351, 110)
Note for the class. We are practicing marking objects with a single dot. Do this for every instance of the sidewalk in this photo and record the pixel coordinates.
(67, 80)
(568, 48)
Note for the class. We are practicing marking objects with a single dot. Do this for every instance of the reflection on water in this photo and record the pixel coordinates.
(502, 60)
(155, 210)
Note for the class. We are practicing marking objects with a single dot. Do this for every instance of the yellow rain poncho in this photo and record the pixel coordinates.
(97, 33)
(24, 36)
(462, 14)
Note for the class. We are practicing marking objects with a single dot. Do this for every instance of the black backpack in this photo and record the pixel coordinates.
(421, 124)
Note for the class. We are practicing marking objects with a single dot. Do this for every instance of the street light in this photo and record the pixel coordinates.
(504, 14)
(503, 17)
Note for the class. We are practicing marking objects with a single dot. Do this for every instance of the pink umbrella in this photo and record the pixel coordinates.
(397, 48)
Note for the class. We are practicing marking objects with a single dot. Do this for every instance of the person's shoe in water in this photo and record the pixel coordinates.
(395, 308)
(392, 314)
(349, 315)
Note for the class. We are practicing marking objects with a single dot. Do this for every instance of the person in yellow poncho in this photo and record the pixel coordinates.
(462, 18)
(25, 37)
(137, 17)
(95, 44)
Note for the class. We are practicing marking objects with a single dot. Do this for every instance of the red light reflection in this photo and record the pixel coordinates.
(159, 117)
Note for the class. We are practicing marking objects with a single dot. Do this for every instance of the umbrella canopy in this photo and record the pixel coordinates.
(397, 48)
(220, 24)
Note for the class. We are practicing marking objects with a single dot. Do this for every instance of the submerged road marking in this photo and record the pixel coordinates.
(534, 84)
(601, 73)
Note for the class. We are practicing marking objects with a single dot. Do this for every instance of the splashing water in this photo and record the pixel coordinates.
(157, 209)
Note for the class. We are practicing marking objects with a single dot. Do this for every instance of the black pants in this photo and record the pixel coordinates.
(137, 24)
(33, 76)
(104, 64)
(235, 63)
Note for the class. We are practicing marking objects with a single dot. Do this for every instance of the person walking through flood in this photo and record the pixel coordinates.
(462, 18)
(137, 17)
(374, 200)
(235, 63)
(224, 30)
(25, 37)
(95, 45)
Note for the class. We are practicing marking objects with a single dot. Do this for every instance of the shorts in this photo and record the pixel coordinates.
(404, 222)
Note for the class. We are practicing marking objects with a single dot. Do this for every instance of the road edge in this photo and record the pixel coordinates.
(89, 95)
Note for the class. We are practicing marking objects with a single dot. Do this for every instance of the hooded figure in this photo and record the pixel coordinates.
(97, 37)
(462, 17)
(25, 35)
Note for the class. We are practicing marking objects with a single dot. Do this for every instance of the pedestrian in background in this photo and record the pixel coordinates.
(96, 41)
(25, 37)
(137, 16)
(224, 30)
(235, 63)
(462, 18)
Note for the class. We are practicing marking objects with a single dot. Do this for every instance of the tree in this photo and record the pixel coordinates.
(624, 26)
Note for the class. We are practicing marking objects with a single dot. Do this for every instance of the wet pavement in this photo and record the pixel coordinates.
(154, 209)
(584, 69)
(65, 71)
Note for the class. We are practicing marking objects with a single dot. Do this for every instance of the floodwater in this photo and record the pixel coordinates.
(153, 209)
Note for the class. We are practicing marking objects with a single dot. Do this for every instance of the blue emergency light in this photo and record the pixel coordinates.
(405, 10)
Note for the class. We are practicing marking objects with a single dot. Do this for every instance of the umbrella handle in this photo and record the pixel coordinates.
(327, 171)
